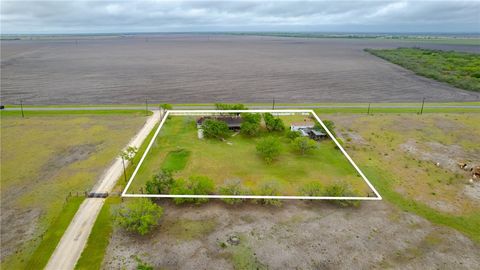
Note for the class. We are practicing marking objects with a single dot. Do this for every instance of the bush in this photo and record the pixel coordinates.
(166, 106)
(341, 190)
(292, 135)
(313, 189)
(269, 149)
(196, 185)
(232, 188)
(139, 216)
(161, 183)
(273, 123)
(251, 124)
(304, 145)
(223, 106)
(268, 189)
(329, 124)
(215, 129)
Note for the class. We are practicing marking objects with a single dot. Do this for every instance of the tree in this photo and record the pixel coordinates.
(329, 124)
(160, 183)
(251, 124)
(292, 135)
(129, 153)
(195, 185)
(268, 148)
(166, 106)
(139, 216)
(304, 145)
(223, 106)
(232, 188)
(273, 123)
(215, 129)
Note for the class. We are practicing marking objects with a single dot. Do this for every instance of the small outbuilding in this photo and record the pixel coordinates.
(306, 129)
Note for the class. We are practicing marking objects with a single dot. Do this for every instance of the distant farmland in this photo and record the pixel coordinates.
(202, 68)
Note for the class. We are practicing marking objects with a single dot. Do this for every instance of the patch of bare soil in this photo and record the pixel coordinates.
(446, 156)
(473, 190)
(67, 157)
(17, 226)
(298, 235)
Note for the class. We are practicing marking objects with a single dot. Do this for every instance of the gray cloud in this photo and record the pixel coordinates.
(159, 16)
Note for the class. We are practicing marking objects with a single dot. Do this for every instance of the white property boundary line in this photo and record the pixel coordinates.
(203, 112)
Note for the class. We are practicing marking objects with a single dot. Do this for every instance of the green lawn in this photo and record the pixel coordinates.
(458, 69)
(177, 146)
(46, 156)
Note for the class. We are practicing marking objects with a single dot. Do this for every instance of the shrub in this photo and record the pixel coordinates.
(196, 185)
(313, 189)
(223, 106)
(232, 188)
(215, 129)
(139, 216)
(292, 135)
(329, 124)
(160, 183)
(251, 124)
(304, 145)
(268, 189)
(269, 149)
(166, 106)
(341, 190)
(273, 123)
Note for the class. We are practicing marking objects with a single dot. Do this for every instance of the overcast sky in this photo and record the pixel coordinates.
(172, 16)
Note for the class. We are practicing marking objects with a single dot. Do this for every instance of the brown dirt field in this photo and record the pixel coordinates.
(200, 68)
(298, 235)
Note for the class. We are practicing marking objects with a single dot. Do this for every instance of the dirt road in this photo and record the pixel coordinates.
(73, 241)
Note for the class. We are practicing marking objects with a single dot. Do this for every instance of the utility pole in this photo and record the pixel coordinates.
(21, 108)
(368, 112)
(423, 103)
(124, 170)
(273, 104)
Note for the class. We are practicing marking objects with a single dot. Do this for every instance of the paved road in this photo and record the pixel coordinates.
(73, 241)
(207, 107)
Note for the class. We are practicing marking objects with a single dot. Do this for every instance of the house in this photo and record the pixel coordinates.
(306, 129)
(233, 122)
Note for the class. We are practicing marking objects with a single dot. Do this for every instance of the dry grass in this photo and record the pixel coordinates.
(43, 159)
